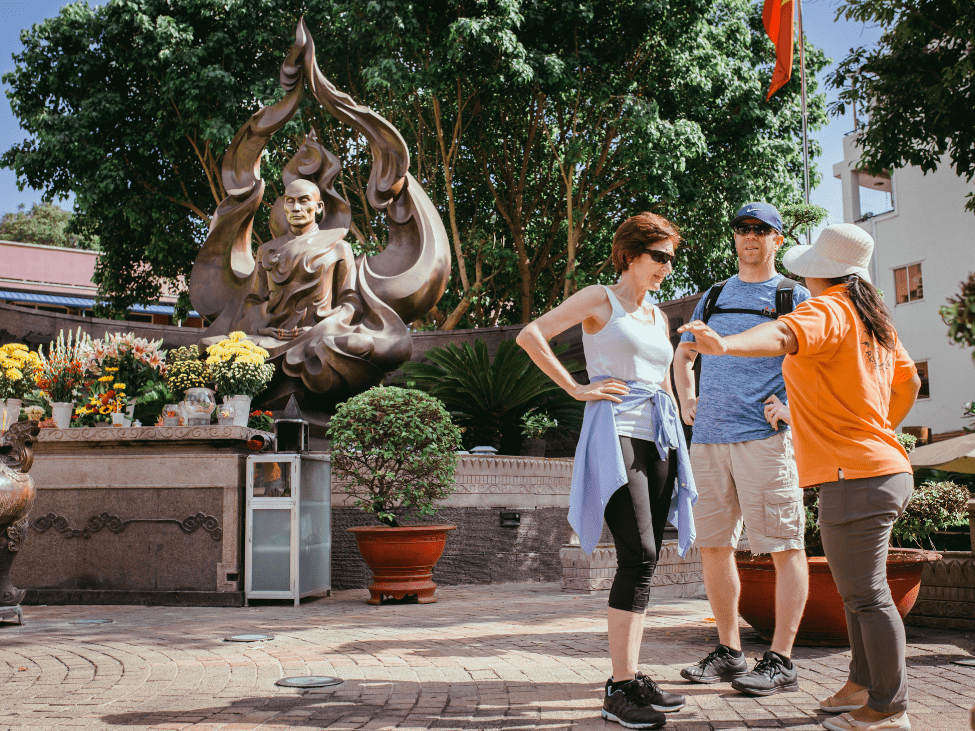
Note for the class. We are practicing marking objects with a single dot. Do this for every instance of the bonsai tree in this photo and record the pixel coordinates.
(397, 449)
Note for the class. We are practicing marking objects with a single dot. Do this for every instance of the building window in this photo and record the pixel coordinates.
(922, 373)
(874, 193)
(908, 284)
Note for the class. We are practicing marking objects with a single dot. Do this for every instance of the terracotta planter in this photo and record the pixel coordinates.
(401, 559)
(824, 620)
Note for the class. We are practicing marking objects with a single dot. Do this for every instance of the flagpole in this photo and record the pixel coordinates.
(805, 114)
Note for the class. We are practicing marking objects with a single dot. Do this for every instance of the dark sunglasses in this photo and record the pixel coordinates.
(760, 229)
(661, 257)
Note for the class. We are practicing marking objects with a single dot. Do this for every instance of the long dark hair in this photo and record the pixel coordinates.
(870, 307)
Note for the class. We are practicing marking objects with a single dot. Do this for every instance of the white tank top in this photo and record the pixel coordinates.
(632, 351)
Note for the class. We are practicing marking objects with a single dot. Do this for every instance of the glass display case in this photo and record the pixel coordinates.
(288, 533)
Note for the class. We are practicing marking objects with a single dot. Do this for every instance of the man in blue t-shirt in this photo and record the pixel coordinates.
(743, 463)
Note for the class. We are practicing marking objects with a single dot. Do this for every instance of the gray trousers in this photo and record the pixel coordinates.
(855, 520)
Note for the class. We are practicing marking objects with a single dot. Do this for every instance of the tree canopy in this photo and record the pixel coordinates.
(44, 223)
(536, 128)
(916, 86)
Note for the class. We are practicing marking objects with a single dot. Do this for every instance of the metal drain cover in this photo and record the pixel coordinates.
(92, 621)
(309, 681)
(249, 638)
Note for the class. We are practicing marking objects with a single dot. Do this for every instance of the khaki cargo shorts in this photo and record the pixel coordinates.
(753, 481)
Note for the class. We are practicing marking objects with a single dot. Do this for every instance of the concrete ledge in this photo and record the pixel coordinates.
(139, 598)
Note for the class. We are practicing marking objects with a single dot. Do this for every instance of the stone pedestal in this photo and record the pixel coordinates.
(947, 595)
(145, 515)
(674, 577)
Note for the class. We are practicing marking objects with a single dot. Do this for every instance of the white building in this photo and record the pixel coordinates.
(925, 247)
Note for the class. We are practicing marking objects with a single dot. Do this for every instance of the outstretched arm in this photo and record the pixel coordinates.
(762, 341)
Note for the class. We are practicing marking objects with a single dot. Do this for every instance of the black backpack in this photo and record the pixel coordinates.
(783, 301)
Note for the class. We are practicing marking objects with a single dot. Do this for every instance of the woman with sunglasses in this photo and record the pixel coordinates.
(850, 383)
(631, 451)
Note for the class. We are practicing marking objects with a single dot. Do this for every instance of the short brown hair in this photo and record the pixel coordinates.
(637, 234)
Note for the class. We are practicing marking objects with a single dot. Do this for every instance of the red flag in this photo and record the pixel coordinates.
(777, 19)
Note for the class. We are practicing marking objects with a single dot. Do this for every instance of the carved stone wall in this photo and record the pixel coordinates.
(947, 595)
(674, 576)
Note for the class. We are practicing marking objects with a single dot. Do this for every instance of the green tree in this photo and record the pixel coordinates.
(44, 223)
(536, 127)
(915, 87)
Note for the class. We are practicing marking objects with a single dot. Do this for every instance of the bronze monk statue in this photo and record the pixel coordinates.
(333, 324)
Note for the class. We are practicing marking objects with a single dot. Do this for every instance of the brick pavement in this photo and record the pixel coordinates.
(511, 656)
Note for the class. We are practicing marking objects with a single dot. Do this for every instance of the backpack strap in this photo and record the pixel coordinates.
(711, 299)
(783, 296)
(783, 301)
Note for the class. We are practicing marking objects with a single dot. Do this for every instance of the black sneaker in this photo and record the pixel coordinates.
(660, 699)
(628, 704)
(718, 666)
(769, 676)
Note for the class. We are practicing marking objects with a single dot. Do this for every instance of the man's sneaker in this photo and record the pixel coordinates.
(718, 666)
(769, 676)
(628, 704)
(660, 699)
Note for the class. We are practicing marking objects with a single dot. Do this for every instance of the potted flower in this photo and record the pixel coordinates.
(185, 371)
(62, 374)
(261, 420)
(396, 450)
(137, 362)
(824, 619)
(18, 373)
(239, 371)
(533, 428)
(106, 403)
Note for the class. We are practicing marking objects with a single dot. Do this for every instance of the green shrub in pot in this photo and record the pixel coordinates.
(397, 448)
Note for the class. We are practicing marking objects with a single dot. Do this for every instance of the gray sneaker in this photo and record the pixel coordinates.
(718, 666)
(769, 676)
(629, 705)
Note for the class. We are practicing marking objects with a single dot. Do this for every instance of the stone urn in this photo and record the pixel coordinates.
(17, 494)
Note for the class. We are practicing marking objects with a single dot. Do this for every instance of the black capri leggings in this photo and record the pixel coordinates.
(636, 515)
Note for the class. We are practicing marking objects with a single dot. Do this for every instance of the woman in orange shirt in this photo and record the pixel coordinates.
(850, 383)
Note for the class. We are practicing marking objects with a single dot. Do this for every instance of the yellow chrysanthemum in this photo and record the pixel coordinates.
(14, 375)
(106, 379)
(119, 387)
(237, 335)
(112, 370)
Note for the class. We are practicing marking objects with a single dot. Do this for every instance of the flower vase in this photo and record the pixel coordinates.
(242, 404)
(61, 413)
(198, 405)
(118, 418)
(170, 415)
(11, 413)
(226, 413)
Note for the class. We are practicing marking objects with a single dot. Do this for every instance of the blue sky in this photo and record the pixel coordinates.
(835, 38)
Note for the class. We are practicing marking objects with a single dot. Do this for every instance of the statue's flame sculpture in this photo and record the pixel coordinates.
(332, 324)
(17, 495)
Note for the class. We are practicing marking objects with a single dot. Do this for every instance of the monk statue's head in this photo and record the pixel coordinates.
(302, 205)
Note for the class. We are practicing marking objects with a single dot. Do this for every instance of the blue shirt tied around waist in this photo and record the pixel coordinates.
(599, 470)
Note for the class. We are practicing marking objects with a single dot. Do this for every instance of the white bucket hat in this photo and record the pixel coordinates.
(841, 249)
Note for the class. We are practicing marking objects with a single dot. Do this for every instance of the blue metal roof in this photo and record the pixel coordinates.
(57, 299)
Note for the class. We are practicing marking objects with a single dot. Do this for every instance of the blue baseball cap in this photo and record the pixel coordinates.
(764, 212)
